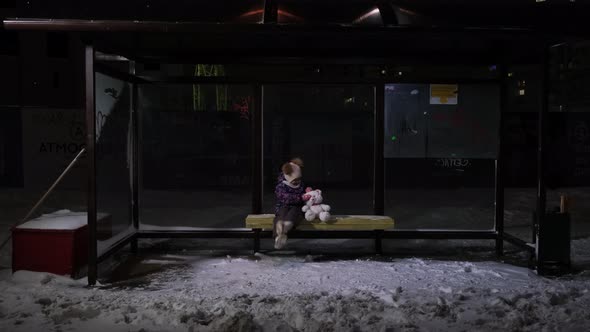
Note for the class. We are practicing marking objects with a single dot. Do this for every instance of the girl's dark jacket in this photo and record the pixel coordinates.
(288, 196)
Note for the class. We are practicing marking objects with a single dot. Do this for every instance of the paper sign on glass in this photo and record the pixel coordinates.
(444, 94)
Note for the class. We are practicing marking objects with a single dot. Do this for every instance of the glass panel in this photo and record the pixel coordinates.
(328, 11)
(520, 163)
(468, 129)
(519, 205)
(113, 160)
(520, 148)
(405, 123)
(569, 139)
(570, 81)
(440, 149)
(567, 146)
(331, 129)
(421, 122)
(567, 173)
(196, 156)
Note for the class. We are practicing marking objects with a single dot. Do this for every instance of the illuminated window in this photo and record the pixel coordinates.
(521, 87)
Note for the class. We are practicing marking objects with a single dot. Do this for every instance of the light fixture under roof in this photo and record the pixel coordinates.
(374, 11)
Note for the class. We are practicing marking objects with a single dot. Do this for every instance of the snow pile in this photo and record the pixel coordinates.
(35, 278)
(293, 293)
(59, 220)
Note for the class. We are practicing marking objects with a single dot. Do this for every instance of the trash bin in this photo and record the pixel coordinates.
(553, 244)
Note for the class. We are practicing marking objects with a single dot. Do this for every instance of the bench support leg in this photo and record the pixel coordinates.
(256, 240)
(378, 244)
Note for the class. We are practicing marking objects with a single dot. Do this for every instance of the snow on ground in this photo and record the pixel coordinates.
(279, 291)
(180, 288)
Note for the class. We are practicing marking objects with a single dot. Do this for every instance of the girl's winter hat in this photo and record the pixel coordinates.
(291, 171)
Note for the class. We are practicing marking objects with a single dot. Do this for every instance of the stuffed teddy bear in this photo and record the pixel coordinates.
(313, 205)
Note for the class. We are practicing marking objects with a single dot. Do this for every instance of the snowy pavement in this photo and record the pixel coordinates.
(195, 291)
(454, 285)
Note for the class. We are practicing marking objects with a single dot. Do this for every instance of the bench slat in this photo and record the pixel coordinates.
(336, 222)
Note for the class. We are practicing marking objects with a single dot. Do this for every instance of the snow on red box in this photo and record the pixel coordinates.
(55, 243)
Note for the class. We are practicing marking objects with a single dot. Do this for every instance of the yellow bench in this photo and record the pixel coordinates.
(339, 226)
(336, 222)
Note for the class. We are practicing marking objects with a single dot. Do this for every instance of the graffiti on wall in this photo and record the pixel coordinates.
(243, 105)
(51, 139)
(59, 121)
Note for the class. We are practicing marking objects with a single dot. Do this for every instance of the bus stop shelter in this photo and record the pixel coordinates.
(274, 46)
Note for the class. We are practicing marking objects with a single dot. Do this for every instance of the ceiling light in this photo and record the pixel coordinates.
(363, 17)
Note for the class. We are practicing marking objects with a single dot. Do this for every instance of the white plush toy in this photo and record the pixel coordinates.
(314, 207)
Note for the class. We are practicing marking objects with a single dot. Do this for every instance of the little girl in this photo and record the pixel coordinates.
(289, 193)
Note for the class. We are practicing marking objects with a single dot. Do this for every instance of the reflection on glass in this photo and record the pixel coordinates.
(204, 93)
(196, 162)
(331, 128)
(440, 148)
(113, 159)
